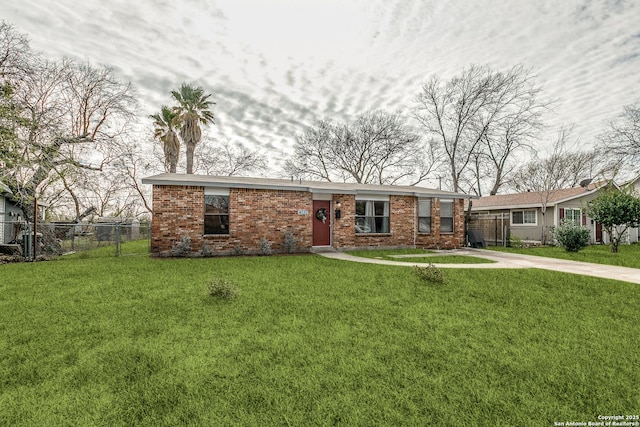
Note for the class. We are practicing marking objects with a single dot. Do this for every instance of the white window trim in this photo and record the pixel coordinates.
(372, 197)
(214, 191)
(535, 224)
(453, 216)
(424, 199)
(579, 219)
(384, 199)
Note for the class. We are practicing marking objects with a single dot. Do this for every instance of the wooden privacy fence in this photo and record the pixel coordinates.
(494, 228)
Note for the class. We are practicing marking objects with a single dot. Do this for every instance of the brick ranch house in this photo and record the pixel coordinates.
(227, 215)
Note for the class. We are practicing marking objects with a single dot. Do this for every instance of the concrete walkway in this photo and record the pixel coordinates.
(509, 260)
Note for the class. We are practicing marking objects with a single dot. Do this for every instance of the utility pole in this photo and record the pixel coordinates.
(35, 227)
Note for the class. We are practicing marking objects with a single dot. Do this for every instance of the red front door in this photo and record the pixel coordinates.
(598, 232)
(321, 217)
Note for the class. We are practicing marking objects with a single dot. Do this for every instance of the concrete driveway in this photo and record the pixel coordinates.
(508, 260)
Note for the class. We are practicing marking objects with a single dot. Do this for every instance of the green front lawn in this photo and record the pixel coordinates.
(379, 253)
(432, 257)
(627, 256)
(311, 341)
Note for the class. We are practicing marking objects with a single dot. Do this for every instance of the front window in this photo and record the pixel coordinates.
(446, 216)
(372, 216)
(424, 216)
(573, 215)
(523, 217)
(216, 214)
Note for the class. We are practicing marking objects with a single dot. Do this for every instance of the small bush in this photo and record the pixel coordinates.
(290, 242)
(515, 242)
(265, 247)
(571, 237)
(238, 250)
(430, 274)
(182, 248)
(223, 289)
(207, 251)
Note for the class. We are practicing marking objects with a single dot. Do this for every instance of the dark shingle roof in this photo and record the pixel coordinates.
(533, 198)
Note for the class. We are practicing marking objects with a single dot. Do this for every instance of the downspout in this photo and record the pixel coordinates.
(415, 222)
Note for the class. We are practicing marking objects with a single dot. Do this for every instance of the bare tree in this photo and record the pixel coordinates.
(481, 120)
(376, 148)
(225, 159)
(623, 137)
(71, 116)
(312, 158)
(565, 167)
(14, 53)
(132, 162)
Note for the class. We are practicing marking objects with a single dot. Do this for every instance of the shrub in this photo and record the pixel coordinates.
(223, 289)
(182, 248)
(265, 247)
(515, 242)
(207, 251)
(570, 236)
(290, 242)
(238, 250)
(430, 274)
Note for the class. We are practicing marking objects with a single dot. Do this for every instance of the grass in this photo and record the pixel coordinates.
(627, 256)
(444, 259)
(310, 341)
(433, 257)
(376, 253)
(127, 248)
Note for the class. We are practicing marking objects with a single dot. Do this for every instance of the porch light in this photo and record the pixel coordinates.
(337, 209)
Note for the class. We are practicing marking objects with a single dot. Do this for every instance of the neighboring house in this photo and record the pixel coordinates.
(11, 217)
(532, 215)
(634, 233)
(228, 215)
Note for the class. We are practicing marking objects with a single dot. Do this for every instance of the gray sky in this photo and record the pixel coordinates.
(276, 66)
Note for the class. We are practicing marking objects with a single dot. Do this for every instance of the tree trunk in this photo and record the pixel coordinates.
(190, 151)
(614, 245)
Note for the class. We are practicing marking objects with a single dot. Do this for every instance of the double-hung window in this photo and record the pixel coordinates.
(446, 216)
(424, 216)
(372, 216)
(573, 215)
(216, 213)
(527, 217)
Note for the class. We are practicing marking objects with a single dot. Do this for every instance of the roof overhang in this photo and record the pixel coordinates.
(315, 187)
(5, 191)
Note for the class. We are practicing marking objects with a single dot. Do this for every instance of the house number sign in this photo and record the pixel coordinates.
(303, 212)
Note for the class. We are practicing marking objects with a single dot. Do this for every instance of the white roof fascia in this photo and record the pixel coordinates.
(305, 186)
(509, 207)
(586, 193)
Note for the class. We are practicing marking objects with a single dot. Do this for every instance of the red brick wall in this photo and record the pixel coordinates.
(344, 228)
(269, 214)
(401, 225)
(436, 240)
(256, 214)
(253, 214)
(177, 211)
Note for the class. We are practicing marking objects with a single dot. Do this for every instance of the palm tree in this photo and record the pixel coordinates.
(193, 111)
(166, 123)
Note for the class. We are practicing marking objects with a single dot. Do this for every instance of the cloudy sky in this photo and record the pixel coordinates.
(274, 67)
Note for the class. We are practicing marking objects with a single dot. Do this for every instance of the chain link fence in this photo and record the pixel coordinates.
(105, 238)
